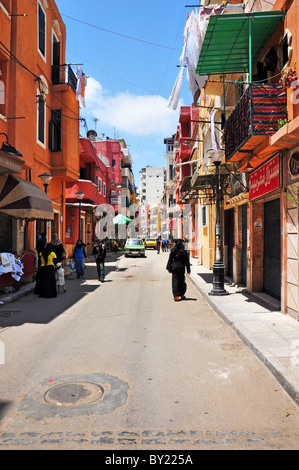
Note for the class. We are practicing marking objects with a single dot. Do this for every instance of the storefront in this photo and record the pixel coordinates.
(236, 229)
(266, 228)
(21, 202)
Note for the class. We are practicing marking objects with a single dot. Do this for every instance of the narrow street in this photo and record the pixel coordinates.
(120, 365)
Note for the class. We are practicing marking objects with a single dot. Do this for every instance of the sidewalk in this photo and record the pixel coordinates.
(272, 335)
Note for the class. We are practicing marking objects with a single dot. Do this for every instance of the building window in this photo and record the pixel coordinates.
(41, 30)
(204, 216)
(3, 75)
(55, 131)
(284, 49)
(41, 118)
(113, 162)
(100, 185)
(171, 172)
(104, 189)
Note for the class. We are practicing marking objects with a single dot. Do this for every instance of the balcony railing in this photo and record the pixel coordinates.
(63, 74)
(257, 113)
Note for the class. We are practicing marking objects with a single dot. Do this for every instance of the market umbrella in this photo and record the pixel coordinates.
(121, 219)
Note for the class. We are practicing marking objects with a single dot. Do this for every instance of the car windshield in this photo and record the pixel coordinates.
(150, 240)
(134, 242)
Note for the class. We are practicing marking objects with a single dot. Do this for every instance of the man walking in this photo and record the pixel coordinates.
(99, 252)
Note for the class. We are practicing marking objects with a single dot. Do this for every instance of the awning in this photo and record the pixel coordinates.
(24, 200)
(233, 42)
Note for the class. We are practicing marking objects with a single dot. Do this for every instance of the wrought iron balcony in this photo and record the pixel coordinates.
(64, 75)
(256, 114)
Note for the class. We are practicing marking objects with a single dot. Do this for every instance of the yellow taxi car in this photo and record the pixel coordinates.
(150, 243)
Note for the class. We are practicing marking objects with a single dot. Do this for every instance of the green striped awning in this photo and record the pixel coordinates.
(233, 42)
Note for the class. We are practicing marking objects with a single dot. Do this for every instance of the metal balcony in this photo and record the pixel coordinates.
(64, 75)
(255, 116)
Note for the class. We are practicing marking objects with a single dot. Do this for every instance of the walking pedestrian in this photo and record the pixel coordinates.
(158, 244)
(79, 255)
(58, 248)
(45, 277)
(60, 277)
(178, 263)
(99, 252)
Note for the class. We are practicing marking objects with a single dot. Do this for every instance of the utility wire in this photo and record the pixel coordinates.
(118, 34)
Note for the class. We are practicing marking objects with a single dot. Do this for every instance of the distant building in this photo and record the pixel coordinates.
(152, 185)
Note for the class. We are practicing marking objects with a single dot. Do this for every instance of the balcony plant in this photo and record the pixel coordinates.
(282, 122)
(289, 75)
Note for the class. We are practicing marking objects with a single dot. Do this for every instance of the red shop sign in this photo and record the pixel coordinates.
(265, 179)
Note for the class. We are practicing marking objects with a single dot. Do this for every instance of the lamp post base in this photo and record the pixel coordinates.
(218, 280)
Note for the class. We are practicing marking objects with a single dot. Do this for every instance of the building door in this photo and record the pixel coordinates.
(56, 79)
(231, 242)
(244, 246)
(272, 249)
(6, 233)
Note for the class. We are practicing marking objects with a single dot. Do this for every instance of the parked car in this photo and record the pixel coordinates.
(150, 243)
(134, 247)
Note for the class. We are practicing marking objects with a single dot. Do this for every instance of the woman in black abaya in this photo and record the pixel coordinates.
(178, 262)
(46, 280)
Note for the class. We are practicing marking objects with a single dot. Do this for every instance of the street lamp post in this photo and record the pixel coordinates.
(46, 178)
(79, 196)
(218, 267)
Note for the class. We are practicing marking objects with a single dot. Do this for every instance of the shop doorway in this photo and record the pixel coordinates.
(272, 249)
(231, 242)
(6, 234)
(244, 246)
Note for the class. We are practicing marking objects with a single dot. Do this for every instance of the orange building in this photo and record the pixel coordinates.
(39, 115)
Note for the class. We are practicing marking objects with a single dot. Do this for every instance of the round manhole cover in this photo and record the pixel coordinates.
(74, 394)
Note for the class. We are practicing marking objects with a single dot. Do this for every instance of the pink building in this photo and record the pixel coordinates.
(99, 183)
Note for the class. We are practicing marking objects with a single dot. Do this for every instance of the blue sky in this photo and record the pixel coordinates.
(130, 80)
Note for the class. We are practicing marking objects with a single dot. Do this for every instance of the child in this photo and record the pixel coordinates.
(60, 277)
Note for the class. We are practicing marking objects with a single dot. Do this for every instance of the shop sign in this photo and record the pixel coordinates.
(115, 200)
(293, 174)
(265, 179)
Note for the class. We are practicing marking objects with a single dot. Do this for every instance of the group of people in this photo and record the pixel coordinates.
(50, 274)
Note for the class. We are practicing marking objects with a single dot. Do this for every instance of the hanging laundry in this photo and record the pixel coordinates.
(175, 94)
(209, 10)
(196, 34)
(81, 85)
(215, 142)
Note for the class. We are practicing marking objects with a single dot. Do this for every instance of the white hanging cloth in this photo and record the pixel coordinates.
(176, 91)
(194, 33)
(214, 139)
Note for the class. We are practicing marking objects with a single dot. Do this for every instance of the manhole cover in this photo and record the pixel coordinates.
(74, 394)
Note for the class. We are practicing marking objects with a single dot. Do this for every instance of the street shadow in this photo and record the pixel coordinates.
(4, 405)
(37, 310)
(207, 277)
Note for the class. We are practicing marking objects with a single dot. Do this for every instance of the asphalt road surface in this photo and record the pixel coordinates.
(120, 365)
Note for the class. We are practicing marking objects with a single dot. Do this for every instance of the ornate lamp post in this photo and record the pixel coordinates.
(218, 267)
(79, 196)
(46, 178)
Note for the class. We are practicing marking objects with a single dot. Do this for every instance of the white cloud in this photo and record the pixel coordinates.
(139, 115)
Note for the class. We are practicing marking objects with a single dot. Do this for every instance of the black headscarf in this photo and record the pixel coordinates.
(179, 245)
(46, 251)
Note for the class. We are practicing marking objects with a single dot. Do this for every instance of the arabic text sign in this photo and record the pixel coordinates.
(265, 179)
